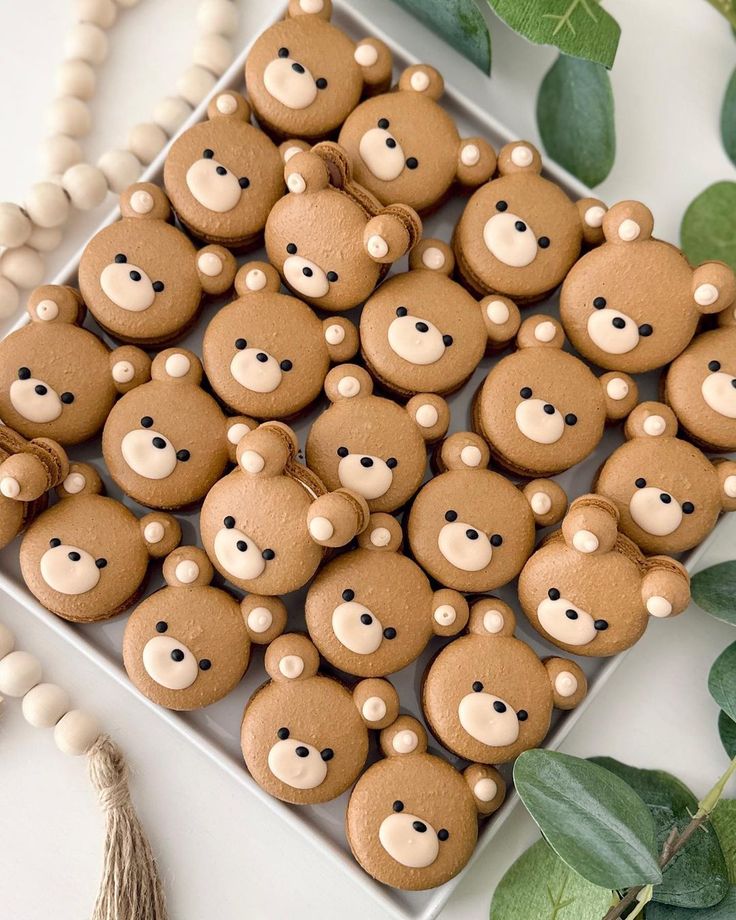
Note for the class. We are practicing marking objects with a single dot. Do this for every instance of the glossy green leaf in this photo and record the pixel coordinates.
(698, 877)
(459, 22)
(722, 681)
(579, 28)
(575, 118)
(727, 731)
(725, 910)
(723, 820)
(539, 886)
(728, 118)
(592, 819)
(708, 229)
(714, 590)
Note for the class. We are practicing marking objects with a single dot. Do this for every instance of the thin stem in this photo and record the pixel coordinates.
(726, 8)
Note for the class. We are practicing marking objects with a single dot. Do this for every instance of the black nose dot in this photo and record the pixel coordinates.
(307, 271)
(229, 522)
(571, 419)
(297, 68)
(549, 408)
(688, 507)
(714, 366)
(383, 123)
(525, 392)
(332, 277)
(146, 421)
(520, 226)
(421, 327)
(262, 357)
(601, 625)
(398, 805)
(268, 554)
(442, 834)
(23, 373)
(283, 734)
(100, 563)
(75, 557)
(67, 398)
(301, 751)
(553, 594)
(286, 365)
(342, 451)
(320, 83)
(134, 275)
(291, 248)
(496, 539)
(618, 322)
(390, 142)
(327, 754)
(412, 163)
(543, 242)
(571, 614)
(392, 463)
(158, 443)
(522, 715)
(477, 686)
(283, 52)
(208, 154)
(499, 706)
(348, 594)
(367, 462)
(242, 545)
(389, 633)
(501, 205)
(665, 498)
(640, 483)
(471, 534)
(161, 626)
(40, 389)
(183, 455)
(244, 182)
(450, 516)
(221, 171)
(645, 329)
(120, 258)
(177, 655)
(419, 826)
(205, 664)
(366, 619)
(599, 303)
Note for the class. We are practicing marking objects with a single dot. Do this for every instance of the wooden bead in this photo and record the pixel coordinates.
(146, 141)
(45, 239)
(76, 732)
(120, 168)
(76, 78)
(47, 205)
(100, 12)
(7, 641)
(22, 266)
(87, 42)
(58, 153)
(9, 298)
(170, 113)
(15, 226)
(214, 53)
(219, 16)
(44, 705)
(19, 671)
(195, 83)
(85, 185)
(68, 115)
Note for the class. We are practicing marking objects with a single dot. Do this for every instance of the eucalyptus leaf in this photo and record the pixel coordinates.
(698, 876)
(579, 28)
(714, 590)
(708, 229)
(722, 681)
(539, 886)
(723, 820)
(459, 22)
(592, 819)
(575, 118)
(725, 910)
(727, 731)
(728, 118)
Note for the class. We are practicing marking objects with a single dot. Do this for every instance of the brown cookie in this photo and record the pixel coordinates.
(634, 303)
(305, 76)
(372, 611)
(142, 279)
(589, 590)
(541, 409)
(265, 526)
(58, 380)
(700, 388)
(329, 238)
(422, 332)
(668, 494)
(370, 444)
(188, 645)
(304, 735)
(87, 557)
(412, 819)
(267, 354)
(487, 696)
(520, 234)
(405, 147)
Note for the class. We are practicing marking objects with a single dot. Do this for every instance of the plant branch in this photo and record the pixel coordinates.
(726, 8)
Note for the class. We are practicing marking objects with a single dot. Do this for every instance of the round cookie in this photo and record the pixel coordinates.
(167, 442)
(405, 147)
(668, 494)
(634, 303)
(541, 409)
(370, 444)
(188, 644)
(412, 819)
(372, 611)
(589, 590)
(520, 234)
(142, 279)
(329, 238)
(86, 558)
(265, 526)
(700, 388)
(266, 354)
(58, 380)
(305, 76)
(470, 528)
(487, 696)
(422, 332)
(305, 735)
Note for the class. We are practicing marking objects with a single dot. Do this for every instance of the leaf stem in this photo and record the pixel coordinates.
(726, 8)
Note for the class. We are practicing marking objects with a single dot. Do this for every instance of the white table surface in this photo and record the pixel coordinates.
(222, 854)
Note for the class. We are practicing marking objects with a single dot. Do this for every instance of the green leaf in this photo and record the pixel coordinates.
(593, 820)
(698, 876)
(539, 886)
(728, 118)
(575, 118)
(727, 731)
(708, 229)
(459, 22)
(722, 681)
(725, 910)
(714, 590)
(723, 820)
(579, 28)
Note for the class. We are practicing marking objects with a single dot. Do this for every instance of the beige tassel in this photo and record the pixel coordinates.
(130, 888)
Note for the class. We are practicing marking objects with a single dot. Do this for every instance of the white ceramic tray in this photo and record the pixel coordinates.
(215, 731)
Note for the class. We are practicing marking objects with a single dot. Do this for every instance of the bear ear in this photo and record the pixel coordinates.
(177, 365)
(665, 588)
(540, 332)
(290, 658)
(145, 201)
(30, 468)
(591, 525)
(229, 105)
(431, 415)
(591, 211)
(620, 393)
(487, 785)
(714, 287)
(405, 736)
(161, 533)
(547, 499)
(290, 148)
(383, 534)
(253, 277)
(56, 303)
(348, 381)
(187, 567)
(501, 318)
(432, 255)
(236, 428)
(492, 618)
(81, 479)
(265, 451)
(129, 367)
(476, 162)
(265, 617)
(377, 702)
(423, 80)
(568, 682)
(628, 222)
(726, 470)
(375, 61)
(463, 450)
(651, 420)
(450, 612)
(216, 267)
(319, 8)
(306, 171)
(335, 518)
(519, 157)
(341, 338)
(392, 233)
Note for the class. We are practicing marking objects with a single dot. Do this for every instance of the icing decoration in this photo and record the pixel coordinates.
(617, 388)
(210, 264)
(427, 416)
(256, 370)
(291, 152)
(123, 371)
(706, 294)
(659, 606)
(493, 621)
(226, 104)
(177, 365)
(377, 246)
(545, 331)
(252, 461)
(187, 571)
(485, 789)
(445, 615)
(291, 666)
(541, 503)
(607, 332)
(470, 155)
(334, 335)
(419, 81)
(594, 216)
(719, 392)
(69, 569)
(566, 684)
(369, 476)
(357, 628)
(9, 487)
(404, 742)
(488, 719)
(510, 239)
(522, 156)
(433, 258)
(260, 619)
(655, 511)
(141, 201)
(238, 553)
(311, 6)
(405, 837)
(255, 280)
(471, 455)
(465, 547)
(629, 230)
(382, 154)
(35, 400)
(654, 425)
(170, 663)
(535, 422)
(294, 88)
(47, 310)
(127, 286)
(366, 55)
(321, 529)
(153, 532)
(74, 483)
(497, 312)
(381, 536)
(416, 340)
(296, 184)
(306, 277)
(148, 453)
(297, 764)
(729, 486)
(585, 541)
(348, 386)
(236, 432)
(374, 709)
(217, 191)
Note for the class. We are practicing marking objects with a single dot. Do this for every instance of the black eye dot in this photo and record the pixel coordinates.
(182, 455)
(543, 242)
(121, 258)
(244, 182)
(447, 340)
(146, 421)
(640, 483)
(501, 205)
(205, 664)
(688, 507)
(229, 522)
(268, 554)
(54, 542)
(24, 373)
(291, 248)
(327, 754)
(600, 625)
(67, 398)
(161, 626)
(401, 311)
(283, 734)
(442, 834)
(342, 451)
(389, 633)
(450, 516)
(332, 277)
(101, 562)
(208, 154)
(477, 686)
(320, 83)
(496, 539)
(283, 52)
(398, 805)
(286, 365)
(714, 366)
(599, 303)
(571, 419)
(383, 123)
(525, 392)
(553, 594)
(412, 163)
(348, 594)
(240, 344)
(522, 715)
(158, 286)
(392, 463)
(645, 329)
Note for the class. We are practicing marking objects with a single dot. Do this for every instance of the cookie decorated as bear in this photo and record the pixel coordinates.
(520, 234)
(487, 696)
(188, 644)
(404, 146)
(590, 590)
(372, 611)
(370, 444)
(223, 175)
(635, 303)
(412, 819)
(541, 409)
(265, 526)
(668, 494)
(87, 557)
(422, 332)
(472, 529)
(305, 735)
(305, 76)
(58, 380)
(142, 279)
(166, 443)
(329, 238)
(266, 354)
